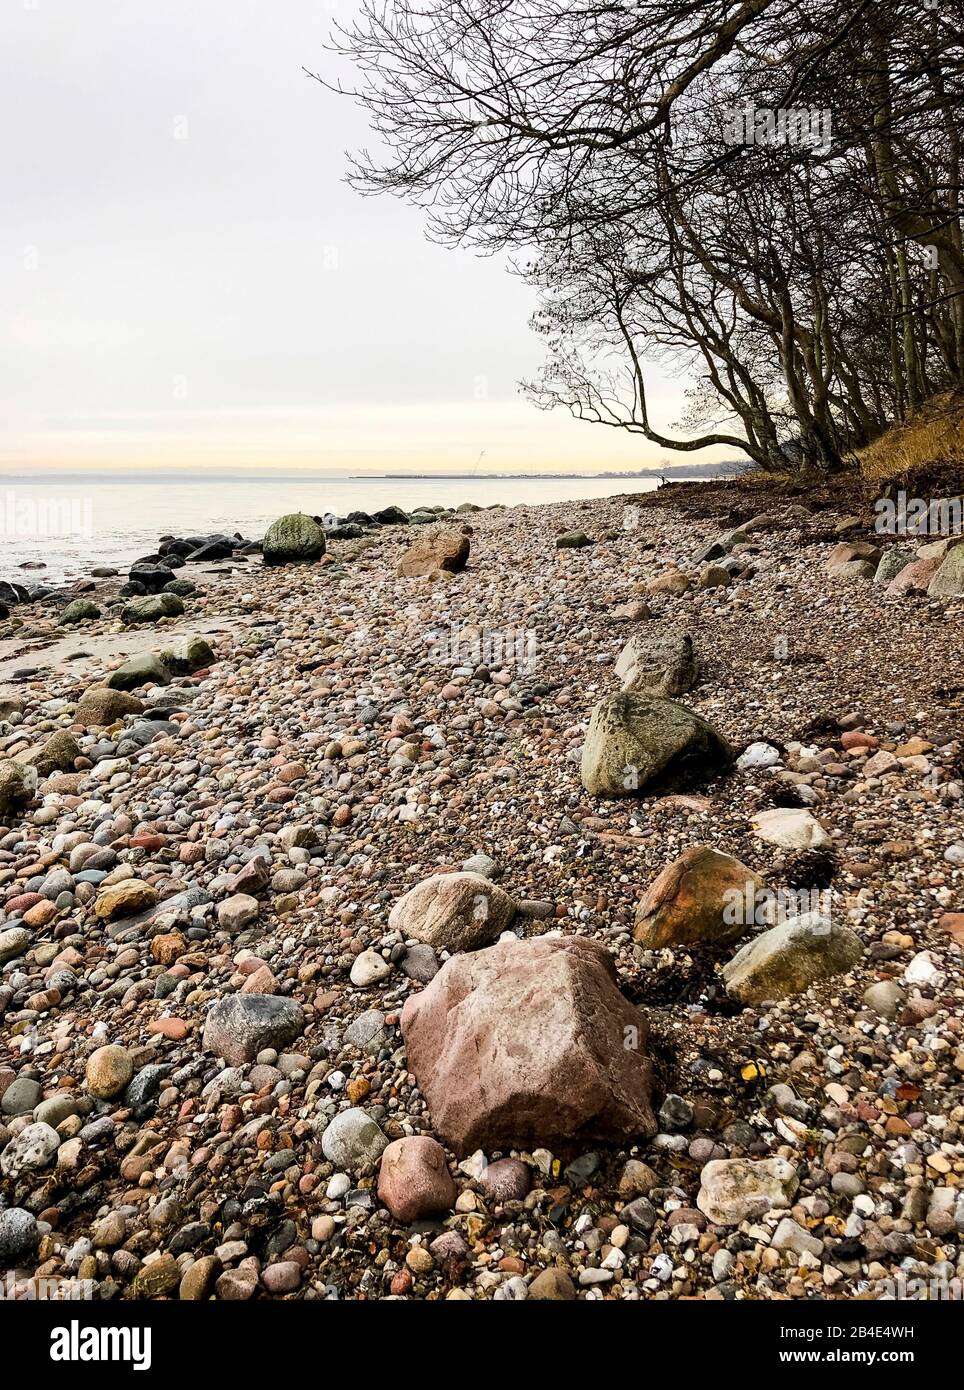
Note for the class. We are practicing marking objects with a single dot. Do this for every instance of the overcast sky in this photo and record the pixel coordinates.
(185, 279)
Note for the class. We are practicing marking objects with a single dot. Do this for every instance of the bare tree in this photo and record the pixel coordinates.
(764, 192)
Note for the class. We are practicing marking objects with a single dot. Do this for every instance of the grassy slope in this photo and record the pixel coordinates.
(933, 440)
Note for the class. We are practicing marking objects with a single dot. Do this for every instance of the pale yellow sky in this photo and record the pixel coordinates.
(414, 436)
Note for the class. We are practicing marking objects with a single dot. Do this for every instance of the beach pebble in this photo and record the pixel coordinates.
(19, 1236)
(737, 1189)
(240, 1026)
(369, 968)
(758, 755)
(237, 912)
(108, 1071)
(414, 1180)
(32, 1150)
(352, 1140)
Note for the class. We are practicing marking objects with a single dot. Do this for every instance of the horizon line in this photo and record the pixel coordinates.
(301, 475)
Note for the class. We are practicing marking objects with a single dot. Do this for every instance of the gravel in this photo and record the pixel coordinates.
(358, 732)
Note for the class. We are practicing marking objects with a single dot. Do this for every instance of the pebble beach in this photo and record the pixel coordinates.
(347, 953)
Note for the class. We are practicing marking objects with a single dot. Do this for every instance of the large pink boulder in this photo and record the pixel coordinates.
(414, 1180)
(915, 577)
(529, 1042)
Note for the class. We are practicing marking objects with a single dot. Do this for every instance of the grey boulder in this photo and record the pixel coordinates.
(657, 664)
(641, 742)
(791, 957)
(293, 539)
(241, 1025)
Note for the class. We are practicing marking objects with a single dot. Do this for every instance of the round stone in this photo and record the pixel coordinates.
(369, 968)
(506, 1180)
(33, 1149)
(353, 1140)
(21, 1097)
(414, 1181)
(109, 1070)
(18, 1236)
(13, 942)
(885, 998)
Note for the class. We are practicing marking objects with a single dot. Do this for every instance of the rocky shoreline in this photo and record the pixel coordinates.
(365, 920)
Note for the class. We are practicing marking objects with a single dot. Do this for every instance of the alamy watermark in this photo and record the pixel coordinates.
(470, 645)
(919, 516)
(22, 1288)
(33, 518)
(804, 127)
(930, 1288)
(75, 1342)
(764, 907)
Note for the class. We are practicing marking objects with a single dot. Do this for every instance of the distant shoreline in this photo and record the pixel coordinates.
(685, 470)
(710, 470)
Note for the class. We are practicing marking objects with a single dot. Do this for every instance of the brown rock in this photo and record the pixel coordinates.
(235, 1286)
(100, 706)
(635, 610)
(552, 1285)
(637, 1179)
(166, 947)
(197, 1281)
(855, 738)
(260, 981)
(238, 912)
(414, 1181)
(714, 577)
(688, 902)
(880, 764)
(253, 878)
(44, 999)
(147, 1153)
(125, 898)
(446, 550)
(109, 1069)
(152, 843)
(506, 1180)
(528, 1042)
(41, 914)
(157, 1279)
(419, 1260)
(953, 922)
(173, 1028)
(23, 902)
(671, 581)
(848, 551)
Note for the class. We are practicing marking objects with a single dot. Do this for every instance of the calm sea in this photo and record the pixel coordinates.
(75, 523)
